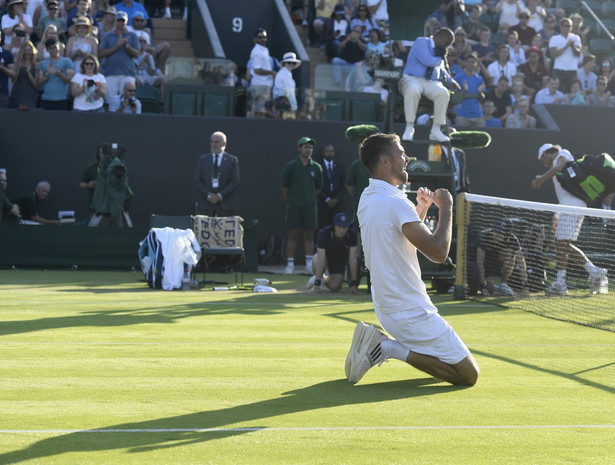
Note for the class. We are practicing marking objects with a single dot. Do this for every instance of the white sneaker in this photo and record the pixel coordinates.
(365, 351)
(167, 15)
(597, 273)
(408, 133)
(437, 135)
(310, 283)
(557, 288)
(505, 289)
(290, 269)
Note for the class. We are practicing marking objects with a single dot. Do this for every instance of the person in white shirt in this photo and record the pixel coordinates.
(15, 15)
(502, 66)
(550, 94)
(284, 87)
(262, 77)
(586, 75)
(565, 50)
(379, 11)
(393, 232)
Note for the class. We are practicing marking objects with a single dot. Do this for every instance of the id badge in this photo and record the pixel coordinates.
(215, 183)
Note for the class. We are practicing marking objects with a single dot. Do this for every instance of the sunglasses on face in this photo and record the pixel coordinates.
(89, 63)
(137, 19)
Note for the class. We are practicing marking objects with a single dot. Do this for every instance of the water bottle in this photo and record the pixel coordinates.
(186, 279)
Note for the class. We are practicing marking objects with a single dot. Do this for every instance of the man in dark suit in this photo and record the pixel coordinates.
(216, 178)
(331, 198)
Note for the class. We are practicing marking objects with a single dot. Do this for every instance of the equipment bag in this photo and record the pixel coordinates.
(591, 178)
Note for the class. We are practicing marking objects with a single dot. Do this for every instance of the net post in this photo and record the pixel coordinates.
(462, 231)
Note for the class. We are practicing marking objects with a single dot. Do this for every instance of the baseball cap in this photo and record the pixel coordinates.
(121, 15)
(504, 227)
(543, 148)
(341, 219)
(138, 14)
(305, 140)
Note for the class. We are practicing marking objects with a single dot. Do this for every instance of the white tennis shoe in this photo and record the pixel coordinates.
(365, 351)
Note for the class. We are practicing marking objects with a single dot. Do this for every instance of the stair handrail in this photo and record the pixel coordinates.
(210, 28)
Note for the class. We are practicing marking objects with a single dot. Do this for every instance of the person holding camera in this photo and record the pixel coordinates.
(126, 102)
(88, 86)
(15, 15)
(426, 73)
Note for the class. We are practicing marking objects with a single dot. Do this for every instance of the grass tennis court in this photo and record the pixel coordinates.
(95, 368)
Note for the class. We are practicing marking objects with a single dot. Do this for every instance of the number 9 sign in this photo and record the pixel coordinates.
(237, 24)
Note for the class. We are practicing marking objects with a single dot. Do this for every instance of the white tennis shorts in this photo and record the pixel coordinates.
(568, 227)
(427, 334)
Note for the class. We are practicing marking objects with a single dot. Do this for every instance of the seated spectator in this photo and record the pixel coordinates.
(82, 9)
(107, 23)
(24, 95)
(485, 49)
(586, 75)
(550, 94)
(88, 86)
(81, 42)
(502, 67)
(449, 14)
(375, 42)
(488, 110)
(461, 46)
(359, 76)
(284, 87)
(601, 97)
(517, 90)
(351, 51)
(363, 19)
(131, 8)
(29, 204)
(10, 210)
(378, 87)
(324, 10)
(576, 96)
(533, 71)
(126, 102)
(160, 51)
(52, 17)
(469, 112)
(55, 75)
(379, 11)
(146, 70)
(582, 32)
(19, 36)
(336, 31)
(473, 25)
(7, 70)
(15, 15)
(509, 11)
(549, 28)
(515, 49)
(500, 96)
(50, 32)
(522, 118)
(231, 77)
(452, 60)
(537, 15)
(539, 43)
(167, 10)
(524, 31)
(606, 69)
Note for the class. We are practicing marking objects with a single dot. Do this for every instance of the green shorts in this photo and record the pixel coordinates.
(301, 218)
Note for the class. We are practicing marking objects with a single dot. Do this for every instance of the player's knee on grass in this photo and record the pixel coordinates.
(335, 282)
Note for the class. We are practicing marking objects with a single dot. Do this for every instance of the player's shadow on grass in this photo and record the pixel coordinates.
(181, 430)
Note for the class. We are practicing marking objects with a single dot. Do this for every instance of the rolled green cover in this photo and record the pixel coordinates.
(360, 132)
(470, 139)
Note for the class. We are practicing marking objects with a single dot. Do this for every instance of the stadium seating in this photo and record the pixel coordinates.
(150, 99)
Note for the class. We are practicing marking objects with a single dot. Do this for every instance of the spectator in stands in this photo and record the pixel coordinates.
(502, 67)
(127, 101)
(336, 246)
(375, 42)
(351, 51)
(216, 179)
(52, 17)
(55, 75)
(586, 75)
(29, 204)
(485, 49)
(15, 15)
(131, 8)
(576, 96)
(301, 184)
(551, 93)
(364, 19)
(146, 71)
(424, 74)
(167, 10)
(10, 210)
(379, 11)
(336, 30)
(7, 70)
(522, 119)
(533, 71)
(488, 110)
(537, 15)
(517, 90)
(119, 48)
(473, 25)
(549, 28)
(298, 11)
(452, 60)
(285, 88)
(50, 32)
(333, 193)
(606, 70)
(461, 46)
(263, 75)
(108, 20)
(24, 95)
(324, 10)
(515, 49)
(565, 49)
(582, 32)
(509, 11)
(602, 97)
(524, 31)
(88, 86)
(81, 42)
(539, 43)
(160, 51)
(359, 76)
(449, 13)
(500, 96)
(469, 112)
(82, 10)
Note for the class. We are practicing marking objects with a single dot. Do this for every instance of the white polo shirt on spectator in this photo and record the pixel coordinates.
(567, 61)
(261, 60)
(389, 255)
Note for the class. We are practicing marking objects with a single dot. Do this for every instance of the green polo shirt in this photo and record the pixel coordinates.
(28, 206)
(302, 182)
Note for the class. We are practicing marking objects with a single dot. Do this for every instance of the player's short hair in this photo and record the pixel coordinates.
(374, 146)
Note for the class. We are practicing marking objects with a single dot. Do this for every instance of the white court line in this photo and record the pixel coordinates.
(290, 429)
(297, 344)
